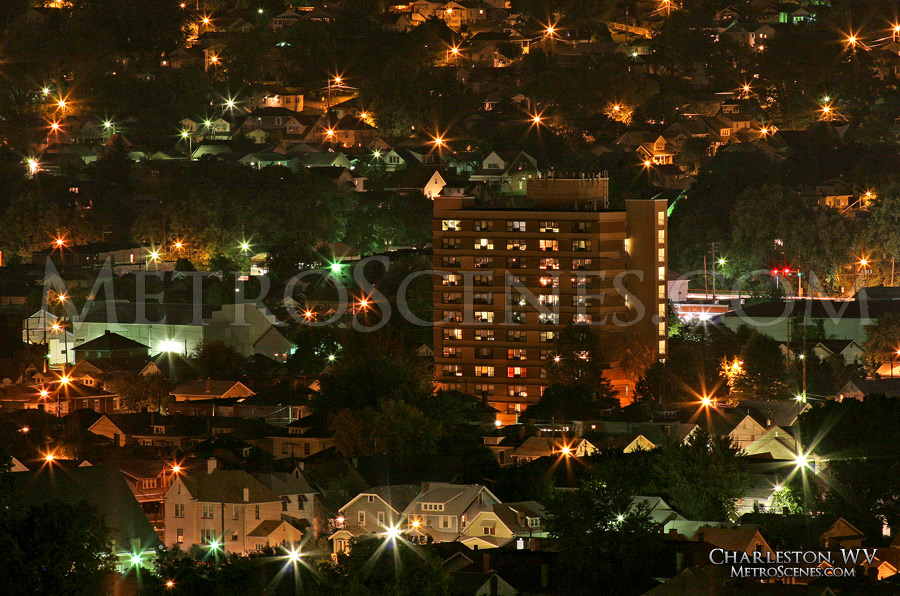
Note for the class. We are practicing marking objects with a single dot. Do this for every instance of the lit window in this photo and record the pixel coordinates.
(550, 245)
(552, 264)
(515, 226)
(484, 244)
(484, 335)
(516, 372)
(515, 245)
(452, 334)
(484, 371)
(450, 225)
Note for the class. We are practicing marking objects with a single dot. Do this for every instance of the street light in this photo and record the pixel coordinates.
(186, 135)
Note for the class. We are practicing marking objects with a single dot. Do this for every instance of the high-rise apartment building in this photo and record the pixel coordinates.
(513, 277)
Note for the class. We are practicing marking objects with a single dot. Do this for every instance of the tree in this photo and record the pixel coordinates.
(578, 360)
(56, 548)
(218, 359)
(882, 340)
(603, 544)
(658, 384)
(702, 478)
(370, 370)
(759, 372)
(377, 565)
(140, 392)
(396, 429)
(572, 402)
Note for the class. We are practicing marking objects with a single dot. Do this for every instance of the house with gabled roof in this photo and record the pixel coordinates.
(441, 511)
(204, 389)
(110, 345)
(428, 180)
(300, 502)
(229, 509)
(509, 171)
(742, 540)
(505, 522)
(658, 152)
(370, 512)
(536, 447)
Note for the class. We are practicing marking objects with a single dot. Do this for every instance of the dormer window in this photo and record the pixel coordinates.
(432, 506)
(159, 430)
(533, 522)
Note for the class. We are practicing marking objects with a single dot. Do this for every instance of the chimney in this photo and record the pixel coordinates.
(486, 563)
(425, 487)
(211, 464)
(700, 536)
(246, 495)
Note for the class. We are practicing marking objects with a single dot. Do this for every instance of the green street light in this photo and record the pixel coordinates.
(336, 268)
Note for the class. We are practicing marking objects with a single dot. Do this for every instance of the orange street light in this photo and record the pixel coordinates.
(176, 468)
(44, 393)
(338, 80)
(49, 457)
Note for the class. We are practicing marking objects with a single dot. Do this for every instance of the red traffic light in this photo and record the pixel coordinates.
(775, 272)
(787, 270)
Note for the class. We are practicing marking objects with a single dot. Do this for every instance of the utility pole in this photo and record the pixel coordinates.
(803, 353)
(712, 249)
(705, 280)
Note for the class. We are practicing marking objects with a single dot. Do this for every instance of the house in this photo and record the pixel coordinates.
(759, 494)
(304, 437)
(343, 177)
(103, 486)
(742, 429)
(110, 345)
(278, 96)
(862, 388)
(657, 153)
(288, 18)
(300, 502)
(326, 159)
(265, 159)
(370, 512)
(428, 180)
(205, 389)
(745, 540)
(659, 511)
(225, 509)
(536, 447)
(441, 511)
(172, 365)
(507, 172)
(504, 522)
(842, 534)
